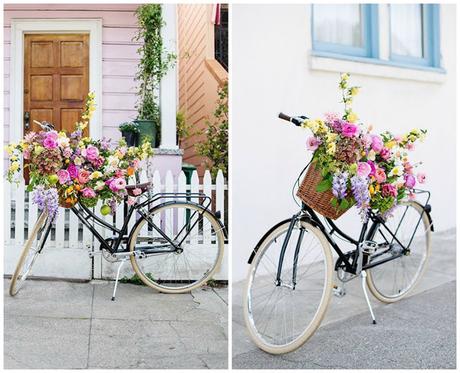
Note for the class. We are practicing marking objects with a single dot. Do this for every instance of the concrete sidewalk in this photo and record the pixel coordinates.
(76, 325)
(418, 332)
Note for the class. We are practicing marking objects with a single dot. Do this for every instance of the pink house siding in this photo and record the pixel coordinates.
(118, 54)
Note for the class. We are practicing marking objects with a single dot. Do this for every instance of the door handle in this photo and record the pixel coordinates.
(27, 120)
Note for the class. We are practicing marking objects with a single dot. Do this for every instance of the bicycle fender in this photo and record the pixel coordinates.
(427, 209)
(276, 226)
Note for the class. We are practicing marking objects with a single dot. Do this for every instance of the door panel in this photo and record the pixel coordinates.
(56, 78)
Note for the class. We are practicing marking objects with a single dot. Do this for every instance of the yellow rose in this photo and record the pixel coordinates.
(390, 144)
(95, 175)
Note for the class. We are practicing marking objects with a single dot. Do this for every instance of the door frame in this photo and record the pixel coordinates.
(19, 27)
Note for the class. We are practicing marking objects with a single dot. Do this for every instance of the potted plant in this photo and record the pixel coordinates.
(130, 132)
(154, 64)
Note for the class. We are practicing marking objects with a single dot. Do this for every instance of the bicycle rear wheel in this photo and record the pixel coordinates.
(282, 316)
(201, 240)
(393, 280)
(30, 251)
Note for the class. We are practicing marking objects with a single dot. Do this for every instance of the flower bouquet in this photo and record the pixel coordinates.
(66, 169)
(351, 165)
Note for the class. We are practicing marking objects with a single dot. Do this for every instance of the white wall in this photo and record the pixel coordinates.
(272, 72)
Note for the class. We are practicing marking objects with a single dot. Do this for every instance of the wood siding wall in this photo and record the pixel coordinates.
(198, 78)
(119, 55)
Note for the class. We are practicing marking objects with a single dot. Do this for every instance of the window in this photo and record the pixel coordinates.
(348, 29)
(414, 34)
(351, 31)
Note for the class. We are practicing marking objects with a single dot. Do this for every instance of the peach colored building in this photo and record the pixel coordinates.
(200, 73)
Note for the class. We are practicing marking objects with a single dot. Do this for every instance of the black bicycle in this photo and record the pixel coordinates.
(290, 279)
(175, 245)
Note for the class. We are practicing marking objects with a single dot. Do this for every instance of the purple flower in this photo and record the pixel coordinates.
(47, 200)
(409, 181)
(73, 171)
(372, 166)
(92, 153)
(385, 154)
(361, 195)
(337, 125)
(349, 130)
(339, 185)
(105, 143)
(117, 184)
(313, 143)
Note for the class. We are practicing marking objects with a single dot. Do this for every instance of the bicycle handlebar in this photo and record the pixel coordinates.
(295, 120)
(46, 126)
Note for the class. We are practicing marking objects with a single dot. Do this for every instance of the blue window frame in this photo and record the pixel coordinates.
(363, 42)
(423, 19)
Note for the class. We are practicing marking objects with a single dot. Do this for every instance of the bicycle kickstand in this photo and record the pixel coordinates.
(363, 283)
(117, 278)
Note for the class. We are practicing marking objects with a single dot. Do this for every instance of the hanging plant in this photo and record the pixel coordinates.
(154, 63)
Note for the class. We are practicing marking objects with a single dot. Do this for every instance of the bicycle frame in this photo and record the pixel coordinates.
(88, 219)
(351, 262)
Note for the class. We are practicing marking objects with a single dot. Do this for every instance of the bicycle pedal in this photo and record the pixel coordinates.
(339, 291)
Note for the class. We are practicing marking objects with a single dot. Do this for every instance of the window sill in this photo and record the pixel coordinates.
(325, 61)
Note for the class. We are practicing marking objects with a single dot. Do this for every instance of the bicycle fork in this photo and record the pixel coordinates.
(278, 281)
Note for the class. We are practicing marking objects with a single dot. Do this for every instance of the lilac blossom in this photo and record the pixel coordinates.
(339, 185)
(47, 200)
(361, 195)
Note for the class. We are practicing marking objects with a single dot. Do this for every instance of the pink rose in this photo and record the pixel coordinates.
(412, 196)
(398, 138)
(120, 173)
(364, 169)
(73, 171)
(377, 143)
(117, 184)
(410, 146)
(83, 176)
(421, 177)
(385, 153)
(131, 201)
(349, 130)
(409, 181)
(88, 193)
(92, 153)
(313, 143)
(389, 190)
(50, 143)
(63, 176)
(380, 175)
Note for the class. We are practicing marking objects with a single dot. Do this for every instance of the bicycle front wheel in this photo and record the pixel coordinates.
(197, 233)
(30, 251)
(282, 315)
(393, 280)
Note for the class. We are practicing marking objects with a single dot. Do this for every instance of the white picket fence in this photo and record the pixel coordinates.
(66, 251)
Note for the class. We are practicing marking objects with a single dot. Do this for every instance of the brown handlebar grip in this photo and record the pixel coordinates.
(284, 117)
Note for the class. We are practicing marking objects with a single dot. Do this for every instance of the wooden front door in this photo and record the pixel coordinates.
(56, 79)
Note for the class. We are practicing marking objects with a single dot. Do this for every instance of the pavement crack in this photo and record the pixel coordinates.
(90, 328)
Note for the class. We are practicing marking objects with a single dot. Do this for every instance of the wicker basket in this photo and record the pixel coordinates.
(318, 201)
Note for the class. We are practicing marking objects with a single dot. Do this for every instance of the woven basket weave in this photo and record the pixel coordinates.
(318, 201)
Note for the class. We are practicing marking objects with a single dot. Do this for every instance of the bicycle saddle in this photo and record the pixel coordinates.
(143, 187)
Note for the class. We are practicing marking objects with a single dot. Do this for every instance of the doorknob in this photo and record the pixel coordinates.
(27, 120)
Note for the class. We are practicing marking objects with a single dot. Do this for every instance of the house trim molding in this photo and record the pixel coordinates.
(19, 27)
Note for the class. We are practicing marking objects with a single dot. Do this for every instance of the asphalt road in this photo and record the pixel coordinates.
(415, 333)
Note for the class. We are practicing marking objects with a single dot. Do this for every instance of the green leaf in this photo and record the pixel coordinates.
(324, 186)
(334, 202)
(344, 204)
